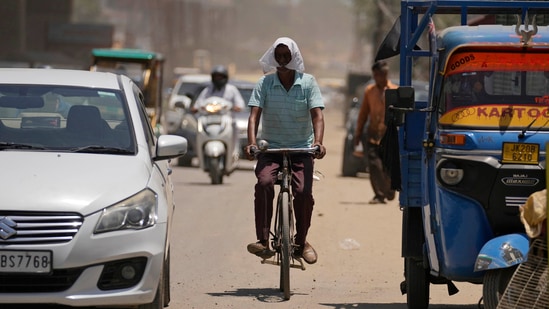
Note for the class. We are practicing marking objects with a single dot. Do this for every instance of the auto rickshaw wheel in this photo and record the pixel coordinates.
(417, 284)
(494, 283)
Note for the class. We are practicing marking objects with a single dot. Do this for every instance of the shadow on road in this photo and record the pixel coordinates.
(393, 306)
(263, 295)
(275, 296)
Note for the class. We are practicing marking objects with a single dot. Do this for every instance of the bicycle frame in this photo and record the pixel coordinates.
(284, 180)
(282, 237)
(285, 183)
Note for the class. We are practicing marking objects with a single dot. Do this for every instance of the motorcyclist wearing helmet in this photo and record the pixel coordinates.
(220, 87)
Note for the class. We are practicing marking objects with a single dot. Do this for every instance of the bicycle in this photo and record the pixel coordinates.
(282, 241)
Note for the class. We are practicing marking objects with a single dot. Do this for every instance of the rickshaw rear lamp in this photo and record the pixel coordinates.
(452, 139)
(451, 176)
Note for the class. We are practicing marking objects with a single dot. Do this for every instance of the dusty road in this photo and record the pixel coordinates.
(213, 224)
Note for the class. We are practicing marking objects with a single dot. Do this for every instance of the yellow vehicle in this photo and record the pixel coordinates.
(145, 68)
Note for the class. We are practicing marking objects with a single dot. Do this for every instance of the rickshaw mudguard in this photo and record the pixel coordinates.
(502, 252)
(460, 229)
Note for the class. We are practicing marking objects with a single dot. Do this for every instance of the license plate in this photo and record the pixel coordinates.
(522, 153)
(25, 261)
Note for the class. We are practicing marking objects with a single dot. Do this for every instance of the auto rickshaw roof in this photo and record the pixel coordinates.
(458, 35)
(496, 37)
(126, 53)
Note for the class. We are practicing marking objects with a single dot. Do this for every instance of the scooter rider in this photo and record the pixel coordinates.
(220, 87)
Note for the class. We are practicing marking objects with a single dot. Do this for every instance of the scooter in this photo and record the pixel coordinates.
(216, 139)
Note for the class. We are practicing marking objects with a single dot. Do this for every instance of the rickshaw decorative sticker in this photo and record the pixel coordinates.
(496, 60)
(504, 87)
(496, 116)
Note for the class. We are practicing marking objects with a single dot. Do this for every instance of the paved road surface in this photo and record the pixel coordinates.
(359, 263)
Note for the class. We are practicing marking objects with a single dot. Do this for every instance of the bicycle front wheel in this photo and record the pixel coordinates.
(285, 250)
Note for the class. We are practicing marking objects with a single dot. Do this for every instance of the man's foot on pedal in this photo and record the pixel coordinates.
(260, 250)
(307, 252)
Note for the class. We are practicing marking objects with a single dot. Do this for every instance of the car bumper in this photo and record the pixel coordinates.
(86, 258)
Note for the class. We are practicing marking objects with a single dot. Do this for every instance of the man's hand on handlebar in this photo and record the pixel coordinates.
(321, 151)
(250, 151)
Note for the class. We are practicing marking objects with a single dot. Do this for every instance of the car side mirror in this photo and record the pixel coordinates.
(183, 103)
(398, 102)
(180, 104)
(170, 147)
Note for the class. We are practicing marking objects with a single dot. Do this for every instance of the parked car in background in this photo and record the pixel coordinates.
(241, 117)
(180, 121)
(87, 199)
(353, 164)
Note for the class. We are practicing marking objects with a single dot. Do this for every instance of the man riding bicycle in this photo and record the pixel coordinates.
(291, 105)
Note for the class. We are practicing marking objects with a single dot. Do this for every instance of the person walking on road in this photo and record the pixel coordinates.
(291, 105)
(373, 109)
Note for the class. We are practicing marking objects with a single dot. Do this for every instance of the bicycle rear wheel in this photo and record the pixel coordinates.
(285, 250)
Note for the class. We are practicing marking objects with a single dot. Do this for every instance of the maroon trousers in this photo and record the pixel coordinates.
(266, 172)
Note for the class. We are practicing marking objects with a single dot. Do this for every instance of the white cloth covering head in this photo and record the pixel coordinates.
(268, 62)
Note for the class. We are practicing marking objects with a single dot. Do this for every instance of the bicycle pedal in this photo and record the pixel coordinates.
(301, 264)
(270, 262)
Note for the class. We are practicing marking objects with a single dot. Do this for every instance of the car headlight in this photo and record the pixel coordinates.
(451, 176)
(136, 212)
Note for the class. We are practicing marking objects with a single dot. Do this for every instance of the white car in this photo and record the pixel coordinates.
(86, 198)
(187, 88)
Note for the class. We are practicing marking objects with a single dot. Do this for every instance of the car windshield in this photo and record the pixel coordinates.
(191, 88)
(55, 118)
(483, 92)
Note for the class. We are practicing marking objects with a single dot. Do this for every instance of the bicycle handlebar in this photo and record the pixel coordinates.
(311, 150)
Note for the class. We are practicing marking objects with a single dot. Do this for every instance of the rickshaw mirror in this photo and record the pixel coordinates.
(398, 102)
(401, 98)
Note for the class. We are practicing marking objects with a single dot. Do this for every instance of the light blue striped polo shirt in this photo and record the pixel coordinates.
(286, 118)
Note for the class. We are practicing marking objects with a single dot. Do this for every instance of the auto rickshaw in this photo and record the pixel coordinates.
(469, 156)
(145, 68)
